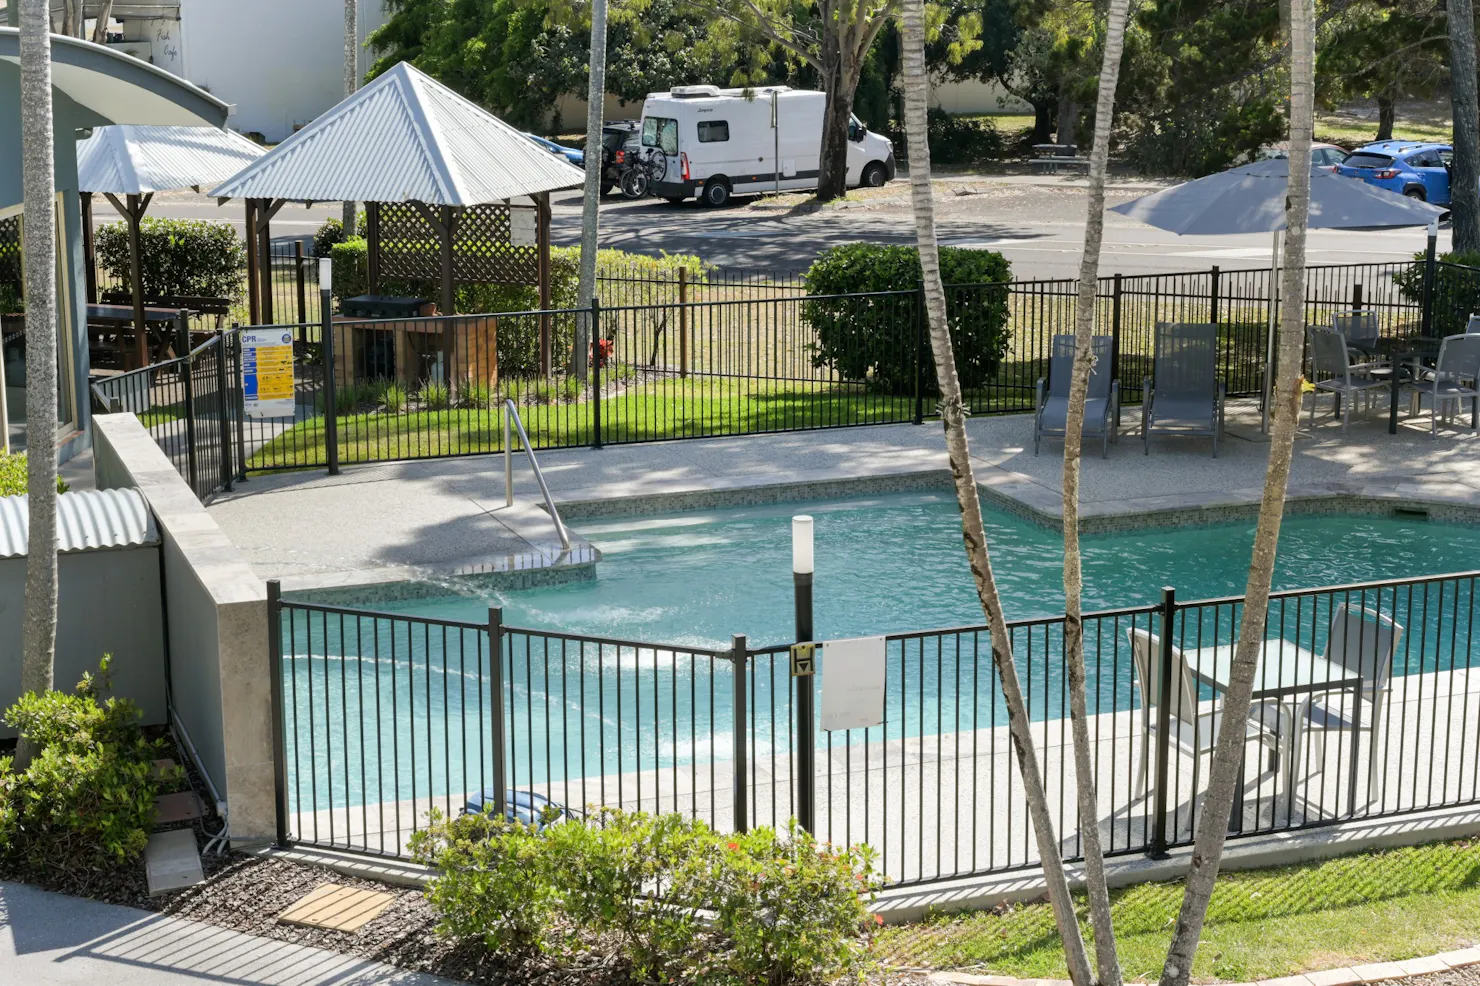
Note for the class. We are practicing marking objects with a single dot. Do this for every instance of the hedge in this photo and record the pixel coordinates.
(877, 339)
(1456, 289)
(177, 257)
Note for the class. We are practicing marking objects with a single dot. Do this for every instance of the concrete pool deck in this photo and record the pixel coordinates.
(393, 521)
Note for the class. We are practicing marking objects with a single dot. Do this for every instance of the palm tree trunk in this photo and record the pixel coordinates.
(1106, 960)
(591, 203)
(1226, 773)
(1464, 183)
(351, 83)
(953, 416)
(39, 246)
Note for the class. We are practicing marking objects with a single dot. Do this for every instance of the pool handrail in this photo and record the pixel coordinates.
(511, 413)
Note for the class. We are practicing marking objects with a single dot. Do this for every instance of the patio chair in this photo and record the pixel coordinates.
(1194, 726)
(1361, 332)
(1453, 378)
(1101, 405)
(1332, 372)
(1184, 395)
(1364, 642)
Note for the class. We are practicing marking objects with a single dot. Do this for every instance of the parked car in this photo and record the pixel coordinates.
(574, 155)
(1323, 156)
(1414, 168)
(618, 138)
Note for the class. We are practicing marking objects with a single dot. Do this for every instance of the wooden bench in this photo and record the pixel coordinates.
(1052, 165)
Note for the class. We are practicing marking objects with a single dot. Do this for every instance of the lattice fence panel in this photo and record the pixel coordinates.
(10, 253)
(482, 249)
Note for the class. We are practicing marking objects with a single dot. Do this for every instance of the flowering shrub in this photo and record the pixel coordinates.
(683, 902)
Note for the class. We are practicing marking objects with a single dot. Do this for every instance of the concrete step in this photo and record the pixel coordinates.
(172, 862)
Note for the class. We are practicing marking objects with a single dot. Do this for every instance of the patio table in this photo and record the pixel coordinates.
(1285, 671)
(121, 317)
(1403, 351)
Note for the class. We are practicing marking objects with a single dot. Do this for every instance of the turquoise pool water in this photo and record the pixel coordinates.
(894, 564)
(383, 709)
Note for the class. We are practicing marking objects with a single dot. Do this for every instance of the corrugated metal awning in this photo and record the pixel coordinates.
(404, 138)
(86, 521)
(136, 160)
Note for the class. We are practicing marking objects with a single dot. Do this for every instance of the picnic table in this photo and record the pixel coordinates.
(1049, 158)
(109, 324)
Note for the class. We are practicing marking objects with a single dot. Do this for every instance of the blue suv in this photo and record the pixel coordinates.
(1418, 170)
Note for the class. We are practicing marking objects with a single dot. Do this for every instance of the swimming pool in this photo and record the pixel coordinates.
(384, 708)
(894, 564)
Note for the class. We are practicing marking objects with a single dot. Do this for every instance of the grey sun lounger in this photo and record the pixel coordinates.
(1184, 397)
(1102, 402)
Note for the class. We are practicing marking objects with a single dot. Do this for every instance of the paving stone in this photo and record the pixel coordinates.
(1427, 964)
(1287, 981)
(1378, 971)
(172, 861)
(163, 768)
(183, 806)
(337, 908)
(1334, 977)
(1462, 957)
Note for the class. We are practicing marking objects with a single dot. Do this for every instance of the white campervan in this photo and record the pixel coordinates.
(718, 142)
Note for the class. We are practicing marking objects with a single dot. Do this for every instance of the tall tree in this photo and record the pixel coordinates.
(1226, 774)
(1084, 322)
(590, 206)
(38, 243)
(351, 82)
(1464, 180)
(100, 26)
(973, 531)
(1382, 50)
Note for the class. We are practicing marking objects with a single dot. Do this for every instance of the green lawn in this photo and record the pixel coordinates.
(1374, 907)
(666, 409)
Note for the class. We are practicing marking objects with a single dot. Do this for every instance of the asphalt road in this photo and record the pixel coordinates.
(1038, 223)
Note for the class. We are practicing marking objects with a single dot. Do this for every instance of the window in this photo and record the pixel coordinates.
(713, 131)
(660, 132)
(856, 129)
(1363, 160)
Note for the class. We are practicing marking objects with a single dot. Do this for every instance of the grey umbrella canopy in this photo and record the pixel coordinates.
(1251, 199)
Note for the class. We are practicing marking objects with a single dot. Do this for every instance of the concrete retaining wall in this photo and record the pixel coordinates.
(217, 619)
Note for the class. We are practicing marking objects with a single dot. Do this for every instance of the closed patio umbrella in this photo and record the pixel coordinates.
(1251, 199)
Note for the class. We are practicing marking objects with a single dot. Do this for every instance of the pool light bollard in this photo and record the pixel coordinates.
(803, 667)
(326, 342)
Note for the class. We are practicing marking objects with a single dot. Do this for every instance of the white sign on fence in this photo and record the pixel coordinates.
(267, 372)
(853, 683)
(523, 225)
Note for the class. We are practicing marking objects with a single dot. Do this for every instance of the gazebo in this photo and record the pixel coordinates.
(432, 169)
(137, 161)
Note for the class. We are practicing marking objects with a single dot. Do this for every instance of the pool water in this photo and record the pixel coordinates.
(893, 564)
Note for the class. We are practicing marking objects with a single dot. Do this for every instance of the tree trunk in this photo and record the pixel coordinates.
(1042, 122)
(1464, 179)
(953, 417)
(1068, 118)
(100, 28)
(39, 245)
(1106, 960)
(351, 83)
(1226, 773)
(69, 17)
(590, 219)
(841, 81)
(1387, 108)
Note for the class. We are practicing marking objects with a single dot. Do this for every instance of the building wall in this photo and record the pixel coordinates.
(107, 603)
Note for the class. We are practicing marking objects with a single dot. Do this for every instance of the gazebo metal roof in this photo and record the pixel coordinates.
(404, 138)
(138, 160)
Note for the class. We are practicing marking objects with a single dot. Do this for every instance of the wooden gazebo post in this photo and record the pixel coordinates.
(133, 212)
(542, 241)
(254, 308)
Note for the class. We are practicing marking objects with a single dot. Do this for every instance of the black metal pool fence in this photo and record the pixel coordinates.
(382, 717)
(729, 355)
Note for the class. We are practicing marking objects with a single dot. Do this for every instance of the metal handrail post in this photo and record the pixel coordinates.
(275, 672)
(508, 461)
(741, 788)
(1163, 721)
(539, 476)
